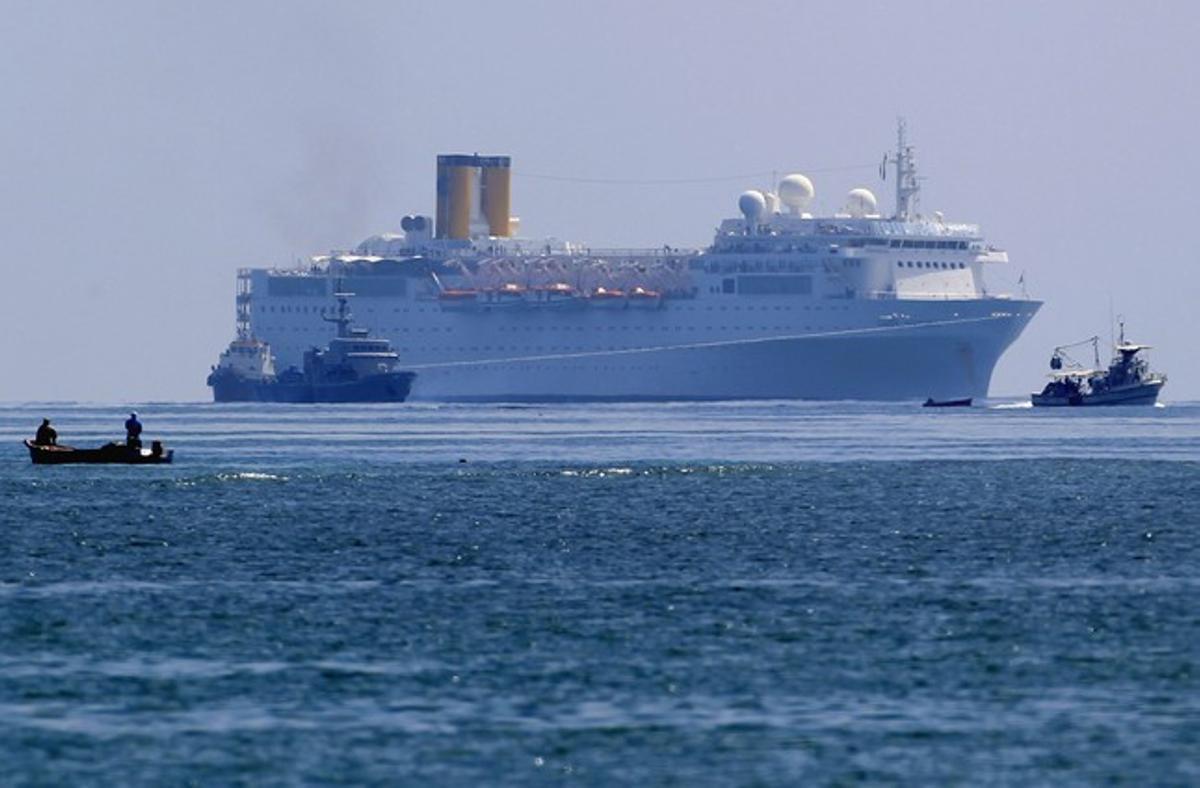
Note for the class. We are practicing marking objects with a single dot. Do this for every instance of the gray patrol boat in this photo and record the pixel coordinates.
(354, 367)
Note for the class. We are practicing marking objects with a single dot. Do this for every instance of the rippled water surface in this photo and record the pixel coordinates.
(766, 593)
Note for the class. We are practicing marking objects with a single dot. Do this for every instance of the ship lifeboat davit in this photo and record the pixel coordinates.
(458, 299)
(641, 298)
(556, 294)
(608, 298)
(509, 294)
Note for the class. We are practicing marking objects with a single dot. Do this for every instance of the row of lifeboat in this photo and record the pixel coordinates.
(558, 294)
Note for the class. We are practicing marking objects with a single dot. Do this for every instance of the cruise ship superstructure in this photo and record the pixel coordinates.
(783, 304)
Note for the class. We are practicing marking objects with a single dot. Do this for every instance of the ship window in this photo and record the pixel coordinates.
(962, 244)
(295, 286)
(728, 285)
(895, 244)
(775, 284)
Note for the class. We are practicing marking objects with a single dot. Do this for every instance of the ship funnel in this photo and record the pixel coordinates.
(495, 195)
(473, 196)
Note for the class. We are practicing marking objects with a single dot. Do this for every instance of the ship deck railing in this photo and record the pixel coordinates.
(891, 295)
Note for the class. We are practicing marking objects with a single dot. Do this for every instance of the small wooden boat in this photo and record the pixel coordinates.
(109, 454)
(965, 402)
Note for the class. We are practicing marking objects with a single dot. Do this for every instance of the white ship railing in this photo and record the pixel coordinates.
(890, 295)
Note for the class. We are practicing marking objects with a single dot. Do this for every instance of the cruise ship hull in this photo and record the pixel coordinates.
(949, 352)
(782, 304)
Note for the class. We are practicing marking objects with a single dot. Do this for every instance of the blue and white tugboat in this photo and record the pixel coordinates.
(354, 367)
(1127, 381)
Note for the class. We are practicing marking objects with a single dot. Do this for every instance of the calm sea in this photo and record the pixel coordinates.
(725, 594)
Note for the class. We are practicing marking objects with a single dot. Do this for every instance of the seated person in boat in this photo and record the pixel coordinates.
(133, 432)
(46, 435)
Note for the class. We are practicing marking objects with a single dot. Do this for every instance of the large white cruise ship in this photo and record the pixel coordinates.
(783, 304)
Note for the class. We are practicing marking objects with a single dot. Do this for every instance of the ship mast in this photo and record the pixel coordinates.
(344, 318)
(908, 188)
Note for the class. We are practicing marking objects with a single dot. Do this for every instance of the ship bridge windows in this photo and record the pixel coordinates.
(913, 244)
(940, 265)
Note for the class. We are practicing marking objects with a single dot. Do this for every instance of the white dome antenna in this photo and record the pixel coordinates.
(796, 192)
(753, 205)
(861, 202)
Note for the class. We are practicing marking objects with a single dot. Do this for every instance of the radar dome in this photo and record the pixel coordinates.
(861, 202)
(796, 192)
(752, 204)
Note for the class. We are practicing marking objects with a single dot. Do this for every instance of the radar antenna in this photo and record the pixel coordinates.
(908, 188)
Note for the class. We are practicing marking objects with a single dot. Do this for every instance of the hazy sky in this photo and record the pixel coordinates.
(151, 149)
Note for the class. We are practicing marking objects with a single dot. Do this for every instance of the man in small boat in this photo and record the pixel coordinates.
(46, 435)
(133, 432)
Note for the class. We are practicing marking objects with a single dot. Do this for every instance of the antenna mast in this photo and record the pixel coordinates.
(344, 318)
(907, 187)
